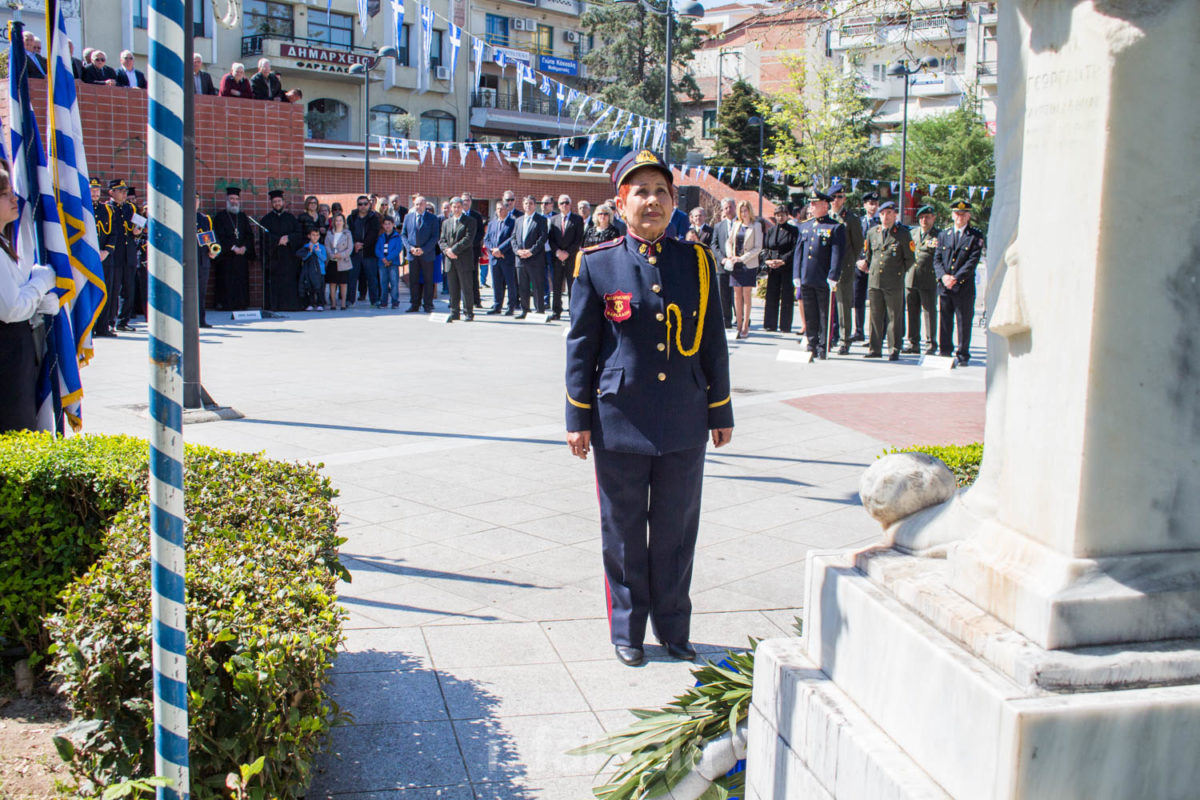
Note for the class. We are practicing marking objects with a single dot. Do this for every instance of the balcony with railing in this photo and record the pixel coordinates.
(329, 59)
(495, 110)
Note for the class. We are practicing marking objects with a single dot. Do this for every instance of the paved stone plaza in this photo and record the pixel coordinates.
(477, 649)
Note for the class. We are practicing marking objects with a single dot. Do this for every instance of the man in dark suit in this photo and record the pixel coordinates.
(457, 243)
(420, 238)
(480, 230)
(265, 84)
(127, 75)
(958, 252)
(202, 82)
(529, 244)
(99, 71)
(700, 230)
(720, 237)
(816, 266)
(850, 254)
(566, 237)
(499, 242)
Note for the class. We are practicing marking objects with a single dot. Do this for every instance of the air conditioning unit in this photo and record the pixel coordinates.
(519, 25)
(571, 36)
(486, 98)
(443, 73)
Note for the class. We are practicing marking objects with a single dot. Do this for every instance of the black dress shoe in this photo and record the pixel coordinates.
(963, 361)
(126, 327)
(895, 356)
(412, 310)
(509, 313)
(629, 656)
(932, 351)
(873, 355)
(912, 349)
(521, 315)
(843, 349)
(451, 318)
(470, 317)
(205, 325)
(556, 317)
(493, 311)
(858, 337)
(682, 652)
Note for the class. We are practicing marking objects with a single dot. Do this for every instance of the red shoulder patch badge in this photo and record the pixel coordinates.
(618, 306)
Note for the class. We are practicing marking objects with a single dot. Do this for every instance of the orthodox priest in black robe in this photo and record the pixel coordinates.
(235, 234)
(281, 239)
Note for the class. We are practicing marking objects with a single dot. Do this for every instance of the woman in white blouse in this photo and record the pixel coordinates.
(741, 261)
(24, 295)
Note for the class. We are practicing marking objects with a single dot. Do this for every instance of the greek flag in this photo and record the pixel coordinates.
(41, 239)
(363, 11)
(398, 14)
(424, 55)
(455, 42)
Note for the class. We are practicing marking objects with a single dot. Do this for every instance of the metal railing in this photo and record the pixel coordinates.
(532, 102)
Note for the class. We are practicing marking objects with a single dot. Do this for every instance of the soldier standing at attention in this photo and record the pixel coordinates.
(817, 267)
(647, 385)
(920, 284)
(850, 254)
(888, 254)
(958, 252)
(869, 220)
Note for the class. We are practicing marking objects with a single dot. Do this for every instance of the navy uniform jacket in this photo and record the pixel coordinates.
(647, 363)
(819, 252)
(958, 261)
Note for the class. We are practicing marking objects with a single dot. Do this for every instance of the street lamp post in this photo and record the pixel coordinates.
(904, 70)
(758, 122)
(690, 11)
(365, 71)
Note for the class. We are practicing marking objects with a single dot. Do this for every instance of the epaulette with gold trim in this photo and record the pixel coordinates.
(604, 245)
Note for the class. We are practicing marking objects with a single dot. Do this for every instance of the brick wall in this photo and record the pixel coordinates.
(256, 146)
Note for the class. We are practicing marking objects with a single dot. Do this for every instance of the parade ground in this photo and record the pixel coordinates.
(477, 649)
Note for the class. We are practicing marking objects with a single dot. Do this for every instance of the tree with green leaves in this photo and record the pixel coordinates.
(822, 124)
(626, 64)
(736, 142)
(950, 149)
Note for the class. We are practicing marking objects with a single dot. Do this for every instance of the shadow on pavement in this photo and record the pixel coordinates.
(394, 432)
(396, 567)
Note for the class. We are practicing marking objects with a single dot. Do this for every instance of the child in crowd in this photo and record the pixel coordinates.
(312, 270)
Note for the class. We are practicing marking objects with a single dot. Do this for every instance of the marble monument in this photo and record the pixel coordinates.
(1038, 635)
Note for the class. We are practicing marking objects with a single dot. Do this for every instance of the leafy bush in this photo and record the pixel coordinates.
(963, 460)
(57, 497)
(263, 628)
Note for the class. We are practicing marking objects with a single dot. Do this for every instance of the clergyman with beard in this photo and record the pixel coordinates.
(236, 237)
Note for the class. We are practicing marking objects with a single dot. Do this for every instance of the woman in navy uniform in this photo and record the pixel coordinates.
(647, 385)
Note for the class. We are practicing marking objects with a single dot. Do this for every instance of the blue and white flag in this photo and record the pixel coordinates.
(445, 153)
(398, 16)
(455, 44)
(561, 95)
(591, 143)
(547, 88)
(933, 187)
(971, 191)
(483, 152)
(424, 56)
(477, 52)
(41, 239)
(983, 190)
(363, 12)
(952, 188)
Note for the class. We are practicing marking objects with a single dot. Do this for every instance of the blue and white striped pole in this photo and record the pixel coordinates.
(165, 247)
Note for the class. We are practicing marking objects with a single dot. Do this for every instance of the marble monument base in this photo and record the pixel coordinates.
(902, 688)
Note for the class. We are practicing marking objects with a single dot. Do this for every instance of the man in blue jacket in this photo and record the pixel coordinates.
(816, 269)
(530, 236)
(648, 386)
(420, 237)
(500, 254)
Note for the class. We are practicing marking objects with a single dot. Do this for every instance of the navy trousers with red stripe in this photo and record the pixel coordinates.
(649, 518)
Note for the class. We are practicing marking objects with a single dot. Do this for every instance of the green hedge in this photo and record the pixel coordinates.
(57, 497)
(263, 621)
(962, 459)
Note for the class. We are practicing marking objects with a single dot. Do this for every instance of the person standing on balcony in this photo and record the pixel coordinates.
(128, 75)
(234, 83)
(99, 71)
(201, 81)
(265, 84)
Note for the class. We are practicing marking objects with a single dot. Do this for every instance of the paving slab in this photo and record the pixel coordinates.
(477, 650)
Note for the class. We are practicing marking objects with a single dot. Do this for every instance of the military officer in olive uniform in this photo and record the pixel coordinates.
(888, 254)
(920, 284)
(817, 266)
(958, 252)
(850, 254)
(647, 385)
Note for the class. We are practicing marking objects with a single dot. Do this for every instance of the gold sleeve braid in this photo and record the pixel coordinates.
(702, 258)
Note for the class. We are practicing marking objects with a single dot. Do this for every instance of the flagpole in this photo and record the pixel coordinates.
(166, 289)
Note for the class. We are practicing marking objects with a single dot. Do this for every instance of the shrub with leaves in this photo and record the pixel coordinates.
(665, 744)
(57, 497)
(963, 460)
(263, 629)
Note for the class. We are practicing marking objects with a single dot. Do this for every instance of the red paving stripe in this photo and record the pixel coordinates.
(904, 418)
